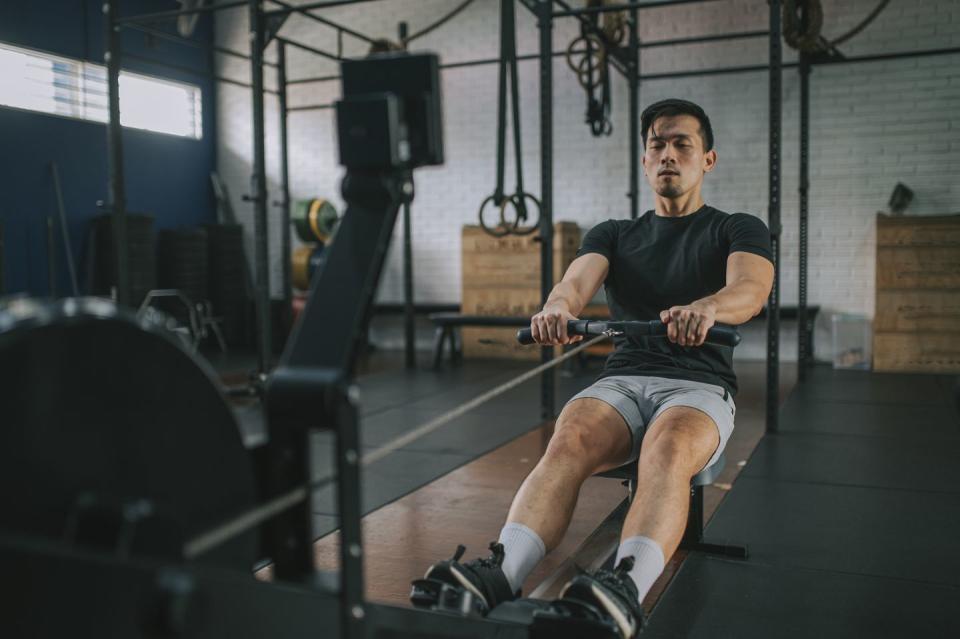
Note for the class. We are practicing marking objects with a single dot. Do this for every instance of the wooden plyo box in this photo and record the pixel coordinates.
(501, 276)
(917, 318)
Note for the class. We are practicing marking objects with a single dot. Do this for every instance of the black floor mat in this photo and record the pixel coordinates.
(714, 599)
(851, 514)
(881, 532)
(911, 463)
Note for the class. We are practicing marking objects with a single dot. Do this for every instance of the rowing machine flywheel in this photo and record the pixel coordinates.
(101, 404)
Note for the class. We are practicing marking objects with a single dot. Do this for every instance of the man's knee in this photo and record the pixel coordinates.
(588, 441)
(679, 446)
(571, 443)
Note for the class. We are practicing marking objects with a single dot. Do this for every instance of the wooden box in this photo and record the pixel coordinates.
(917, 352)
(917, 310)
(917, 319)
(501, 276)
(513, 261)
(911, 267)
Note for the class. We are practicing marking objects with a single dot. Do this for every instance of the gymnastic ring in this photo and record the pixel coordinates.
(519, 205)
(500, 230)
(599, 55)
(595, 74)
(594, 40)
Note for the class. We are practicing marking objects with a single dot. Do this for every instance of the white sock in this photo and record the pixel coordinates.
(523, 549)
(648, 562)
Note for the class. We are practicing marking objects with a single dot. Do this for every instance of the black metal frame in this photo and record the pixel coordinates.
(773, 221)
(284, 202)
(804, 354)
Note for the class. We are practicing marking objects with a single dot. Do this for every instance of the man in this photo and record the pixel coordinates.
(691, 266)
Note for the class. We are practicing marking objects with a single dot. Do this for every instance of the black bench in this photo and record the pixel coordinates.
(445, 333)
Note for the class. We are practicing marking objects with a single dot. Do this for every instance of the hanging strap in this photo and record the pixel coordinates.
(518, 201)
(508, 64)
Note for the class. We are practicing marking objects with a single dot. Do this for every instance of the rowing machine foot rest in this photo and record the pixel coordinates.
(519, 611)
(572, 619)
(561, 619)
(440, 596)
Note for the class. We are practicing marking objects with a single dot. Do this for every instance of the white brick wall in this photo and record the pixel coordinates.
(872, 123)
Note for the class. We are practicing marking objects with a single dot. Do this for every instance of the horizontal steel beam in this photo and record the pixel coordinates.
(310, 107)
(610, 8)
(676, 74)
(701, 39)
(312, 5)
(304, 47)
(171, 37)
(901, 55)
(165, 15)
(330, 23)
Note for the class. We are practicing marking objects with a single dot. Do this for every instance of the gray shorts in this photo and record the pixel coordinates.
(640, 400)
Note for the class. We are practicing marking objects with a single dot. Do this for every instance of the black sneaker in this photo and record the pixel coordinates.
(482, 577)
(612, 592)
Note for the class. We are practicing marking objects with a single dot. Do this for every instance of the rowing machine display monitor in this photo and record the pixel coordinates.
(390, 114)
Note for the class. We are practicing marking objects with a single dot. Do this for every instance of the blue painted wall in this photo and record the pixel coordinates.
(166, 176)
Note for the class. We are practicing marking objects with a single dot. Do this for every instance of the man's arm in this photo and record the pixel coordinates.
(578, 286)
(749, 280)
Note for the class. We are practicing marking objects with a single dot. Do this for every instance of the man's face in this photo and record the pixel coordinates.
(674, 159)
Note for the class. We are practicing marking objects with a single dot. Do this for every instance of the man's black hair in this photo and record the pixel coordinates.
(673, 107)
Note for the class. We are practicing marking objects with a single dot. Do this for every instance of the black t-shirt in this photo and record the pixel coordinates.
(658, 262)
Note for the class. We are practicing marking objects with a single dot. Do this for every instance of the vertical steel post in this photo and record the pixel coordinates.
(116, 192)
(258, 190)
(409, 334)
(803, 334)
(634, 84)
(353, 612)
(545, 25)
(773, 308)
(285, 243)
(51, 259)
(3, 280)
(409, 317)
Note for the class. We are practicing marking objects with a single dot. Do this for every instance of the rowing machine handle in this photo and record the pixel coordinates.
(717, 335)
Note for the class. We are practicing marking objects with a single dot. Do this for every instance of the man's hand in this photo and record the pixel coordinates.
(688, 325)
(549, 326)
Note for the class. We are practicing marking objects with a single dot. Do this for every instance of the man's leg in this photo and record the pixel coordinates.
(676, 447)
(590, 436)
